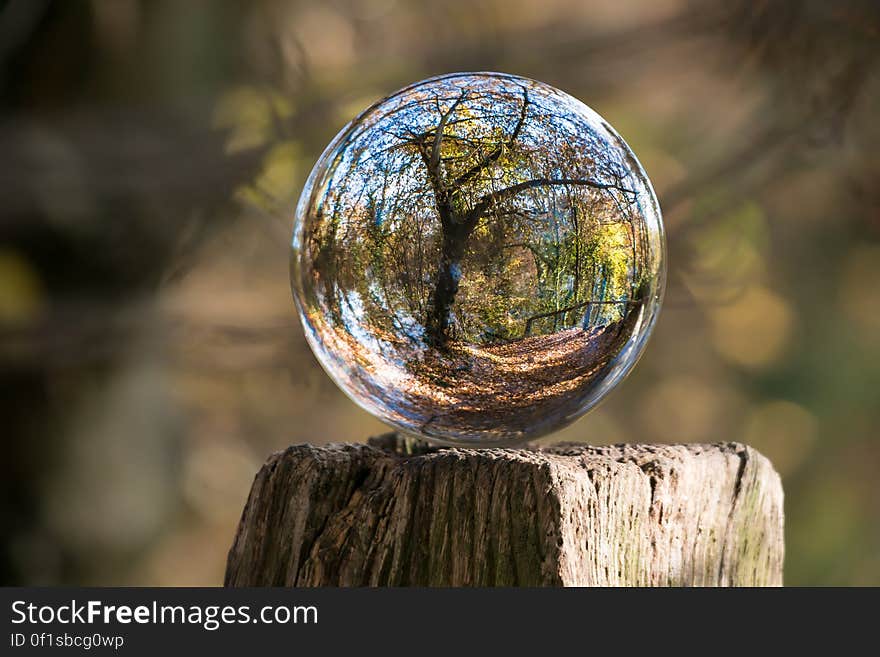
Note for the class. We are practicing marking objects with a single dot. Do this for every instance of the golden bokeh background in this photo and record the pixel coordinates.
(152, 155)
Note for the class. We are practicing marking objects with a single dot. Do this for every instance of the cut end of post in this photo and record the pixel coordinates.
(400, 511)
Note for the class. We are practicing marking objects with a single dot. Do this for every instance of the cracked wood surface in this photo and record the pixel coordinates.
(564, 515)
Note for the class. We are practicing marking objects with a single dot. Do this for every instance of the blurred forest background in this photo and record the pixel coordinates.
(152, 153)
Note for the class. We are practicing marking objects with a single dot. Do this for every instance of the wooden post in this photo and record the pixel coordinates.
(564, 515)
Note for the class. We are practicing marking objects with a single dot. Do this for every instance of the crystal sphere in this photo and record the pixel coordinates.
(478, 259)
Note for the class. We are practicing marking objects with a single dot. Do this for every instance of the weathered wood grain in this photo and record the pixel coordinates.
(564, 515)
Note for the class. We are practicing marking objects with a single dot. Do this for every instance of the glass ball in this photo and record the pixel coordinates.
(478, 259)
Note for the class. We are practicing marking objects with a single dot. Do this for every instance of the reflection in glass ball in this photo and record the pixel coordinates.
(478, 259)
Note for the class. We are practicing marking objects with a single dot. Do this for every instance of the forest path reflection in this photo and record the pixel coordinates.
(483, 387)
